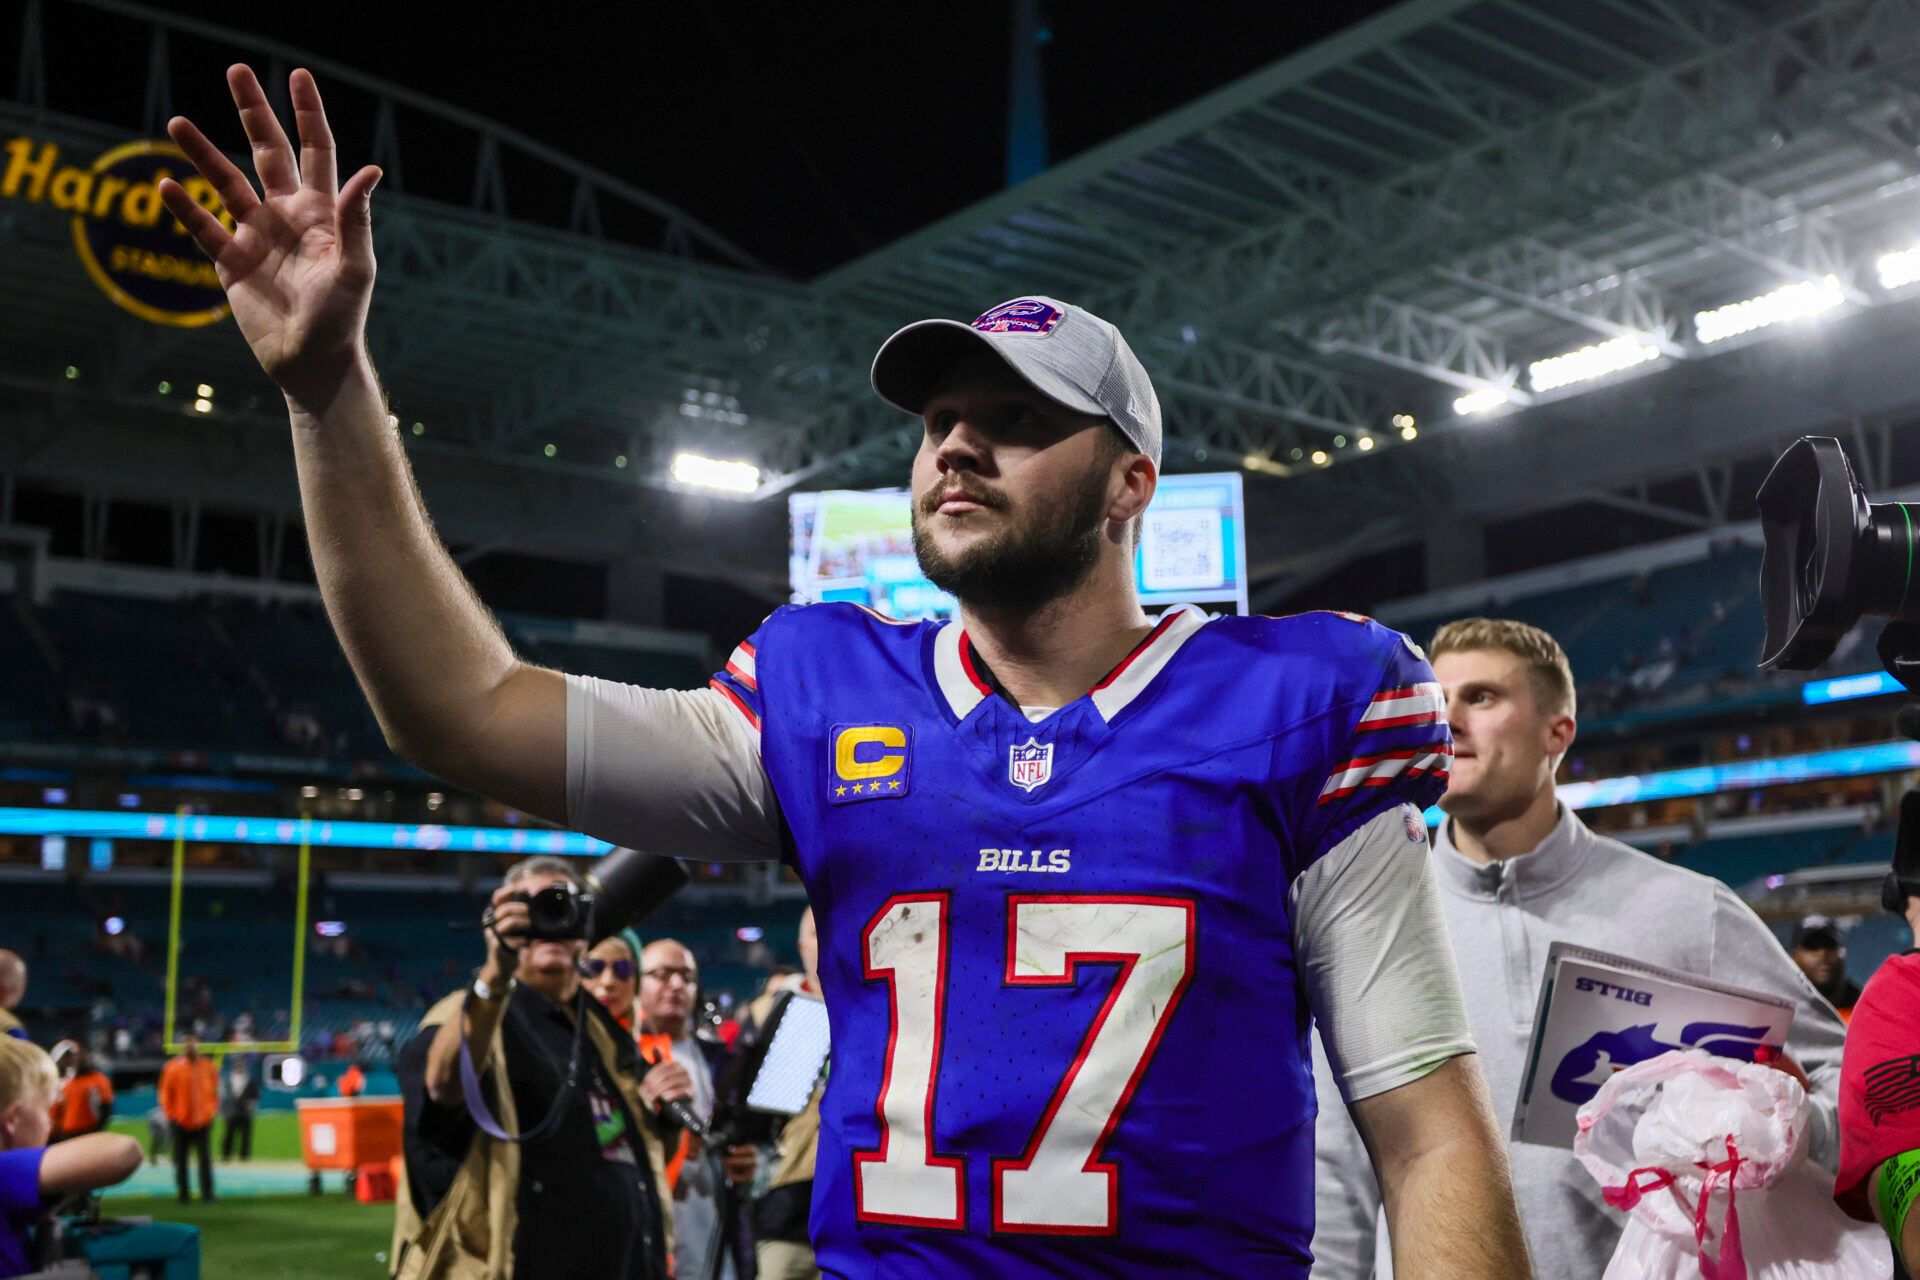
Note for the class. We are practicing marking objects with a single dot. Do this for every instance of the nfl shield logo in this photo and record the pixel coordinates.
(1030, 764)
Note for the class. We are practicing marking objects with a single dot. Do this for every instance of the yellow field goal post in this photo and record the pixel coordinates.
(219, 1048)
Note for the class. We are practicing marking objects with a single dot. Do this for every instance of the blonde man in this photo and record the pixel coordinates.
(1519, 871)
(33, 1176)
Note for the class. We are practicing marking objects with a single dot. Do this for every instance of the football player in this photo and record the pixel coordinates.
(1083, 878)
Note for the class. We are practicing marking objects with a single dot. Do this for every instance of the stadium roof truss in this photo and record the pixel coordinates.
(1504, 205)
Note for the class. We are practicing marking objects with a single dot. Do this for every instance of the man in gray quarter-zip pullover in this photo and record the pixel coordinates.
(1518, 871)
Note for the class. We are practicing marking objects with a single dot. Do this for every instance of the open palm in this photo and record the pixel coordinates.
(298, 266)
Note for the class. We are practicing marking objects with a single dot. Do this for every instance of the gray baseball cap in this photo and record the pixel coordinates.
(1067, 354)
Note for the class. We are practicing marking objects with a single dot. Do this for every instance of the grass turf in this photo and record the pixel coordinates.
(277, 1237)
(276, 1134)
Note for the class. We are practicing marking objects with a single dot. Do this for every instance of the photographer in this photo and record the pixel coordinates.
(1880, 1092)
(582, 1197)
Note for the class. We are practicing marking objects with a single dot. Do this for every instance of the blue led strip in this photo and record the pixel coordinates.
(1843, 762)
(109, 824)
(1872, 684)
(1710, 779)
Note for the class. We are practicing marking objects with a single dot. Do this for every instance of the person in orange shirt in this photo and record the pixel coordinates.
(86, 1098)
(190, 1095)
(353, 1082)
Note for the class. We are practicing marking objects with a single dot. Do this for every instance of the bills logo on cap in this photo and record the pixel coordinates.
(1022, 315)
(1030, 764)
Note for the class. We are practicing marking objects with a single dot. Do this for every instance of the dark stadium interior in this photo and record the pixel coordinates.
(1348, 241)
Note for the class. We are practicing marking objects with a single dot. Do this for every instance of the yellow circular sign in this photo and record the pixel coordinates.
(135, 250)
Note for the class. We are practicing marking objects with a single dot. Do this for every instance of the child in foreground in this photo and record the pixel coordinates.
(33, 1176)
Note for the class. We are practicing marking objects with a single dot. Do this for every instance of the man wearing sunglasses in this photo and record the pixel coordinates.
(703, 1244)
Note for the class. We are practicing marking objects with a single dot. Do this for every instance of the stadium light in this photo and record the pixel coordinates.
(1789, 302)
(1366, 444)
(204, 390)
(1320, 458)
(203, 405)
(701, 472)
(1481, 401)
(1899, 268)
(1409, 432)
(1587, 363)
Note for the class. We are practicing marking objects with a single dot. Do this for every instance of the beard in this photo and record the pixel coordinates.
(1030, 560)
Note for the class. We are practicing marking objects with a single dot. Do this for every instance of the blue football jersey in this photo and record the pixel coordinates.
(1069, 1030)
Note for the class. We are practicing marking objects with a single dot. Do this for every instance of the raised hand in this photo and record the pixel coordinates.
(298, 266)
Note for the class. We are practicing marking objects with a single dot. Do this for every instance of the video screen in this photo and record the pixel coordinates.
(857, 545)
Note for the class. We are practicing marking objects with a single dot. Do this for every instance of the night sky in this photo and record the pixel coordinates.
(808, 133)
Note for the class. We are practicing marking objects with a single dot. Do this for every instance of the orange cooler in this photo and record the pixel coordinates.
(345, 1133)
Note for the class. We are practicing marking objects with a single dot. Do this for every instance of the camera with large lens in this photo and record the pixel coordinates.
(1831, 558)
(557, 913)
(623, 888)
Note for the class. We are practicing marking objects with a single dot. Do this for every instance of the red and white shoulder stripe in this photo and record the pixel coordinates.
(741, 665)
(1397, 708)
(740, 704)
(742, 670)
(1379, 770)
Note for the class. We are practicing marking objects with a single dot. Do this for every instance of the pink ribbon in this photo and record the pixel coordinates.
(1732, 1262)
(1626, 1197)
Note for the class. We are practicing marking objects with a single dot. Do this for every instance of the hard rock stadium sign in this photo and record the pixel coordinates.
(136, 251)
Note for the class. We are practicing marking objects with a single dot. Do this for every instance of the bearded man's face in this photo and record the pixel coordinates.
(1010, 490)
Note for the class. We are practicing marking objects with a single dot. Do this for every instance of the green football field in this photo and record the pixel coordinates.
(263, 1225)
(295, 1237)
(276, 1135)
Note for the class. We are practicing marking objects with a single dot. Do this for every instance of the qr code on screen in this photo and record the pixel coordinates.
(1182, 549)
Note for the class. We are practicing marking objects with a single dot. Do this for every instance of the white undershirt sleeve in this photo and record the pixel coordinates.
(669, 771)
(1378, 964)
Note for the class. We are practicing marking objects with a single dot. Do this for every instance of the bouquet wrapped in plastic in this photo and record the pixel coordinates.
(1706, 1156)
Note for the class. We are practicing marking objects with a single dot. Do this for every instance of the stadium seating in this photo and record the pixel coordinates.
(236, 956)
(30, 706)
(1745, 859)
(236, 675)
(162, 666)
(1681, 637)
